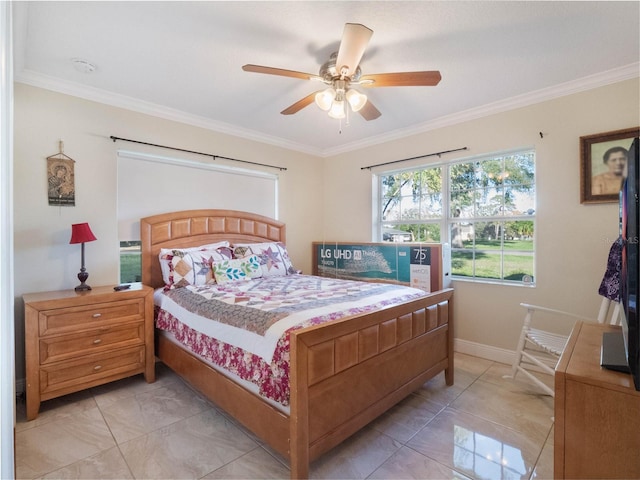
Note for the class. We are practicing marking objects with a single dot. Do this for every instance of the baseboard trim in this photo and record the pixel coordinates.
(488, 352)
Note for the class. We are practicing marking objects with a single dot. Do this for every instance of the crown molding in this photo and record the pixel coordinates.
(35, 79)
(590, 82)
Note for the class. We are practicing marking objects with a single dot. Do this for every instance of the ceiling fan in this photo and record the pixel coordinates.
(341, 72)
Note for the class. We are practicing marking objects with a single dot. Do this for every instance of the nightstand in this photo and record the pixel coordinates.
(77, 340)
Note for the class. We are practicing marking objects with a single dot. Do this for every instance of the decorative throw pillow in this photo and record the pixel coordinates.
(273, 256)
(237, 269)
(166, 255)
(192, 266)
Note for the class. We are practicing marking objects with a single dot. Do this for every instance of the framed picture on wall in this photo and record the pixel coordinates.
(60, 181)
(603, 164)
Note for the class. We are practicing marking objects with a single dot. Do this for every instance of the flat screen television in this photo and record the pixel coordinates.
(628, 343)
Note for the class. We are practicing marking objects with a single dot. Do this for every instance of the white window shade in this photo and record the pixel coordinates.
(151, 184)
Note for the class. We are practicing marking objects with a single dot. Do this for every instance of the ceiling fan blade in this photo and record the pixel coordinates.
(369, 111)
(402, 79)
(300, 104)
(278, 71)
(355, 39)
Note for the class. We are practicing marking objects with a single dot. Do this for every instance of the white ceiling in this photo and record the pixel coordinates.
(182, 60)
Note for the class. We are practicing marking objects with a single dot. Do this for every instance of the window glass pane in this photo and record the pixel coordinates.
(411, 196)
(519, 235)
(518, 248)
(462, 203)
(516, 266)
(431, 206)
(462, 177)
(388, 185)
(488, 265)
(429, 232)
(519, 169)
(490, 173)
(524, 202)
(489, 202)
(390, 210)
(462, 263)
(521, 201)
(396, 233)
(462, 235)
(487, 235)
(410, 208)
(431, 180)
(130, 262)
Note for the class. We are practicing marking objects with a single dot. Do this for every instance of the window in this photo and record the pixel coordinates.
(150, 184)
(483, 207)
(130, 261)
(412, 205)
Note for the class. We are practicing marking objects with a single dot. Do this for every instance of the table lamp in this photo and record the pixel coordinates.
(81, 233)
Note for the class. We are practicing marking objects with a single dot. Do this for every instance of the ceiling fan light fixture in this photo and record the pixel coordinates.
(325, 98)
(337, 109)
(341, 71)
(356, 99)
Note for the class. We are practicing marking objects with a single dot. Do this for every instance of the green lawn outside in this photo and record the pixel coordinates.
(522, 245)
(487, 265)
(130, 267)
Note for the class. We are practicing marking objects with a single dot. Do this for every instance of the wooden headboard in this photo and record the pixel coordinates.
(190, 228)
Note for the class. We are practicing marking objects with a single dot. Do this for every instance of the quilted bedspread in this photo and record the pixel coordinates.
(244, 326)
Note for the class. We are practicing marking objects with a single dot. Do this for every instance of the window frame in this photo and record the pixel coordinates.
(447, 220)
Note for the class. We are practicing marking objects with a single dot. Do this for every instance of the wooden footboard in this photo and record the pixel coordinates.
(345, 374)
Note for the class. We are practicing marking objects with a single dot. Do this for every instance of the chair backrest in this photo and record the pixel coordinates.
(609, 312)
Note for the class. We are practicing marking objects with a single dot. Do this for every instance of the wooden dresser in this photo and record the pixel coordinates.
(597, 412)
(77, 340)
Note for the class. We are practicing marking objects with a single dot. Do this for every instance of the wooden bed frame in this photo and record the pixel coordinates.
(343, 374)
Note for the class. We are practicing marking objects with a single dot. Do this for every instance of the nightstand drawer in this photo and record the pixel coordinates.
(90, 316)
(63, 347)
(90, 370)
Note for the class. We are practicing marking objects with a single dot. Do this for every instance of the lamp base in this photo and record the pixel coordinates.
(82, 276)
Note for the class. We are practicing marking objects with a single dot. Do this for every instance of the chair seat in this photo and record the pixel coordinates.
(549, 342)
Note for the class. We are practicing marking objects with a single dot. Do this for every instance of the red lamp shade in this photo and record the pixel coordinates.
(81, 233)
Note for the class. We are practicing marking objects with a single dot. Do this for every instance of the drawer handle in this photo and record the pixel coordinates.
(97, 341)
(97, 367)
(97, 315)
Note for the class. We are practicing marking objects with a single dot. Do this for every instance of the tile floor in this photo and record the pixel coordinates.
(482, 427)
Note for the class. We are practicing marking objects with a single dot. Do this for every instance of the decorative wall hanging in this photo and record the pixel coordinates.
(603, 161)
(60, 179)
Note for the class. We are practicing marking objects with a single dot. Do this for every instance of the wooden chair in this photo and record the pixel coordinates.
(539, 350)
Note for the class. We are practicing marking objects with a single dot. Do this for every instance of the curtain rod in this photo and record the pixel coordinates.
(197, 153)
(414, 158)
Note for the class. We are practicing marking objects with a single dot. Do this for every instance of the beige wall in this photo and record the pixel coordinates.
(322, 199)
(572, 240)
(44, 260)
